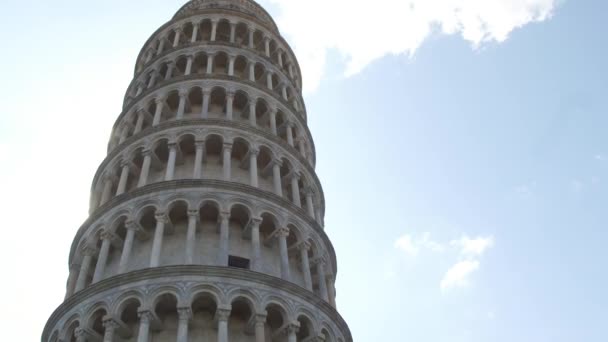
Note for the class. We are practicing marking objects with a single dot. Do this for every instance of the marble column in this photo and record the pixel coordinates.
(229, 105)
(290, 134)
(251, 33)
(145, 317)
(232, 33)
(282, 235)
(195, 28)
(255, 245)
(276, 178)
(189, 65)
(222, 324)
(145, 168)
(184, 316)
(273, 121)
(252, 117)
(157, 244)
(102, 259)
(322, 280)
(198, 160)
(171, 162)
(193, 216)
(231, 65)
(110, 327)
(124, 177)
(214, 30)
(292, 331)
(295, 190)
(210, 64)
(253, 167)
(227, 158)
(127, 246)
(267, 46)
(140, 121)
(304, 248)
(222, 257)
(206, 98)
(85, 267)
(160, 102)
(309, 202)
(183, 97)
(260, 320)
(178, 32)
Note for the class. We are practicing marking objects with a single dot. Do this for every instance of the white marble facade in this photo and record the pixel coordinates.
(206, 216)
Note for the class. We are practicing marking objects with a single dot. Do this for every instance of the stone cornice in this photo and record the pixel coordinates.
(188, 9)
(216, 123)
(177, 272)
(217, 11)
(211, 44)
(204, 183)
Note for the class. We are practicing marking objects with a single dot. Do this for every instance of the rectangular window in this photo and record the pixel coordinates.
(235, 261)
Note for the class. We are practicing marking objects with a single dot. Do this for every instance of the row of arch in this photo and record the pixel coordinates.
(208, 154)
(206, 231)
(200, 312)
(215, 61)
(235, 31)
(195, 101)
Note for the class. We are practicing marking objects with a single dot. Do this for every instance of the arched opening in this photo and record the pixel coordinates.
(239, 250)
(70, 332)
(240, 161)
(223, 31)
(217, 105)
(96, 323)
(275, 319)
(180, 66)
(128, 316)
(173, 248)
(185, 161)
(306, 328)
(161, 151)
(195, 103)
(165, 308)
(265, 157)
(269, 250)
(242, 35)
(199, 65)
(240, 67)
(205, 32)
(258, 42)
(241, 316)
(213, 157)
(172, 104)
(203, 326)
(220, 64)
(240, 105)
(286, 173)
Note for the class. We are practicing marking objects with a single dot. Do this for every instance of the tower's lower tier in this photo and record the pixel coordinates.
(195, 303)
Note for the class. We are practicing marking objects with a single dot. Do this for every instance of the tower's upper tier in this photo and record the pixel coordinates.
(248, 7)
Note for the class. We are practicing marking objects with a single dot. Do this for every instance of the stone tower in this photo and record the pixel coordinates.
(206, 219)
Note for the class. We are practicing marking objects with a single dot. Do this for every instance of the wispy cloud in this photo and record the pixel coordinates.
(412, 246)
(471, 250)
(363, 32)
(466, 254)
(458, 275)
(473, 247)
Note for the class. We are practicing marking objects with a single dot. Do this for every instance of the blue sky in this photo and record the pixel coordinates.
(465, 169)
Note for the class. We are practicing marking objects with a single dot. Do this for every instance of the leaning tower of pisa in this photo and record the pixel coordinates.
(206, 215)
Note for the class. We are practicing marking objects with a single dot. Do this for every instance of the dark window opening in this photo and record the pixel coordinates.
(235, 261)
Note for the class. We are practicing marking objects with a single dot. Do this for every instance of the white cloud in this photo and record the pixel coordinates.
(458, 275)
(363, 32)
(412, 246)
(473, 247)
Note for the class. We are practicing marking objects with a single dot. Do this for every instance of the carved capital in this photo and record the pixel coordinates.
(304, 246)
(223, 314)
(193, 213)
(224, 216)
(184, 313)
(109, 323)
(260, 318)
(145, 316)
(283, 232)
(161, 217)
